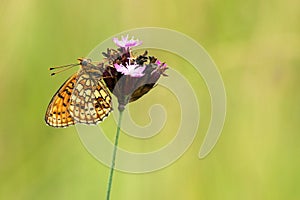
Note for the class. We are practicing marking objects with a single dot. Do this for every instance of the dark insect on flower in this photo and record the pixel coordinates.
(129, 77)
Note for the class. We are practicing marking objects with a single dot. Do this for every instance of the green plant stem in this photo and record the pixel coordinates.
(112, 168)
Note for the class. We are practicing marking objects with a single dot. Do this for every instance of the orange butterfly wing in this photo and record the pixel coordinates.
(81, 99)
(90, 102)
(57, 114)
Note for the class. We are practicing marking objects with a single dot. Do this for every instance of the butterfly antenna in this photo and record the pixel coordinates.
(66, 67)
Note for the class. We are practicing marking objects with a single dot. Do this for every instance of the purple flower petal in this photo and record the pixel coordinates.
(124, 42)
(132, 70)
(120, 68)
(138, 72)
(160, 64)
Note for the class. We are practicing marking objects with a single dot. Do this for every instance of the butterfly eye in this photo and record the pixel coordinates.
(84, 62)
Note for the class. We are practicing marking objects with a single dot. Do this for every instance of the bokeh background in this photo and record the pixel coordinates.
(256, 47)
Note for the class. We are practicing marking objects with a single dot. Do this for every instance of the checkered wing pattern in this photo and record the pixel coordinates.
(81, 99)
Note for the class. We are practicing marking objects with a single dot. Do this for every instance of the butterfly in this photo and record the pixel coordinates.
(83, 98)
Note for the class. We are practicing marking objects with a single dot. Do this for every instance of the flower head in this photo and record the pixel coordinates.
(130, 77)
(124, 42)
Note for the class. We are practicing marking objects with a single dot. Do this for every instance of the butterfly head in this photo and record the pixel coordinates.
(84, 61)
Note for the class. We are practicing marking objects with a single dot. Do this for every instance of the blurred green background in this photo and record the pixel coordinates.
(256, 45)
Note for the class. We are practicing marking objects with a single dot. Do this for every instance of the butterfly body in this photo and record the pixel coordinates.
(83, 98)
